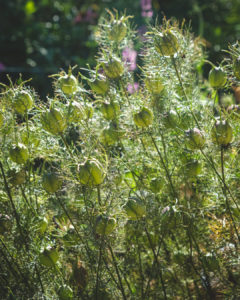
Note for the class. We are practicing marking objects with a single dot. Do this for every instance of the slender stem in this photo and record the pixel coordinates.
(40, 281)
(98, 269)
(225, 193)
(164, 166)
(183, 89)
(99, 195)
(157, 262)
(118, 273)
(11, 199)
(72, 223)
(66, 145)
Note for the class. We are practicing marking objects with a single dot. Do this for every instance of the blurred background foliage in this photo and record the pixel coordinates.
(40, 37)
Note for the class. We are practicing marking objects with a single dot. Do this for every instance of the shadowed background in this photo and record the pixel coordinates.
(38, 38)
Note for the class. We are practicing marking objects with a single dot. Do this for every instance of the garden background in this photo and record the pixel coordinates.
(39, 37)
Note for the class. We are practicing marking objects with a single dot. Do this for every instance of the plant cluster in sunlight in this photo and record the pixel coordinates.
(111, 192)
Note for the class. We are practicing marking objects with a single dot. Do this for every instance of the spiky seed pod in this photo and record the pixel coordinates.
(144, 118)
(19, 153)
(222, 133)
(135, 209)
(91, 173)
(68, 84)
(217, 78)
(113, 68)
(104, 225)
(51, 182)
(194, 139)
(22, 102)
(118, 31)
(166, 43)
(53, 121)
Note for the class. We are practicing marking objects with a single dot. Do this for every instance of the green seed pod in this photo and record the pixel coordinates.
(110, 110)
(65, 292)
(154, 84)
(91, 173)
(75, 112)
(194, 139)
(113, 68)
(171, 119)
(193, 168)
(17, 178)
(51, 182)
(22, 102)
(53, 121)
(222, 133)
(118, 31)
(68, 84)
(236, 68)
(217, 78)
(105, 225)
(156, 184)
(99, 86)
(166, 43)
(135, 209)
(49, 257)
(144, 118)
(19, 153)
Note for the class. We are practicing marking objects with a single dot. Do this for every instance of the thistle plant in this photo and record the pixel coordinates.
(107, 194)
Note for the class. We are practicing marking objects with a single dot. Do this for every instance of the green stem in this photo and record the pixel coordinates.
(225, 193)
(165, 167)
(183, 89)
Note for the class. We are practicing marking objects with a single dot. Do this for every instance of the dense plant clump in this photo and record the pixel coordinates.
(112, 194)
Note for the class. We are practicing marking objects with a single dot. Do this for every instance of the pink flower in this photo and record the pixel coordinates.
(132, 88)
(2, 67)
(129, 57)
(147, 14)
(146, 4)
(89, 16)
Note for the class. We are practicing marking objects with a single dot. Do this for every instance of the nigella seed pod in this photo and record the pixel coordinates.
(91, 173)
(113, 68)
(19, 153)
(217, 78)
(75, 112)
(51, 182)
(171, 119)
(166, 43)
(53, 121)
(118, 31)
(22, 102)
(135, 209)
(99, 86)
(154, 84)
(110, 110)
(68, 84)
(105, 225)
(194, 139)
(222, 133)
(144, 118)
